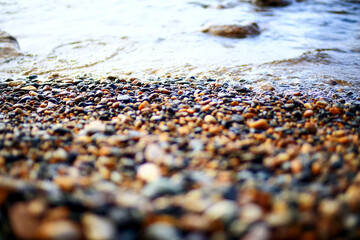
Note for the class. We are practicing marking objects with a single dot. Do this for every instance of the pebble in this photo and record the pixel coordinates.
(224, 210)
(29, 88)
(335, 111)
(233, 31)
(60, 229)
(251, 213)
(161, 187)
(15, 83)
(321, 104)
(143, 105)
(260, 124)
(162, 231)
(23, 224)
(308, 113)
(148, 172)
(154, 153)
(210, 119)
(97, 227)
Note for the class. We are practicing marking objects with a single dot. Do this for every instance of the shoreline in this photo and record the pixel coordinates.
(175, 158)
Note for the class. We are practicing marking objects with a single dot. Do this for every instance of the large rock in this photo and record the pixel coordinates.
(271, 3)
(9, 47)
(233, 31)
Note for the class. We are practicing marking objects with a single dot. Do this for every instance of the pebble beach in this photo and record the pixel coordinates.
(180, 120)
(173, 158)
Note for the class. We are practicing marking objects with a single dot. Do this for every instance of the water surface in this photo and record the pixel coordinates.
(310, 43)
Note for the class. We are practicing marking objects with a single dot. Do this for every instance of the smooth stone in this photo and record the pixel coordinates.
(210, 119)
(321, 104)
(308, 113)
(123, 98)
(233, 31)
(160, 187)
(29, 88)
(97, 227)
(251, 213)
(224, 210)
(154, 153)
(148, 172)
(260, 124)
(60, 229)
(23, 224)
(162, 231)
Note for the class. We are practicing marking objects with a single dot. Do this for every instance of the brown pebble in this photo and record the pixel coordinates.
(233, 31)
(310, 127)
(15, 83)
(344, 140)
(329, 208)
(321, 104)
(143, 105)
(66, 183)
(335, 111)
(316, 168)
(249, 115)
(97, 227)
(29, 88)
(23, 224)
(308, 113)
(296, 166)
(308, 106)
(205, 108)
(18, 111)
(267, 87)
(234, 103)
(210, 119)
(60, 229)
(115, 105)
(260, 124)
(57, 213)
(194, 222)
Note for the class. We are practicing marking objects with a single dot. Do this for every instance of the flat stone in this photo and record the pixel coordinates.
(233, 31)
(123, 98)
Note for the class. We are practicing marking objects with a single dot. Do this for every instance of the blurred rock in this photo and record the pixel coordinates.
(271, 3)
(61, 229)
(161, 231)
(9, 46)
(98, 228)
(233, 31)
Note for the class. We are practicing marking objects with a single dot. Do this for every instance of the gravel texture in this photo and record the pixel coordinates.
(113, 158)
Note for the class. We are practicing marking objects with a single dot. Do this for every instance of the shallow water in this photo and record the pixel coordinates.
(308, 43)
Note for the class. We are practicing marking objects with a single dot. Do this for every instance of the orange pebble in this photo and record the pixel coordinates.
(296, 166)
(143, 105)
(259, 124)
(335, 111)
(308, 113)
